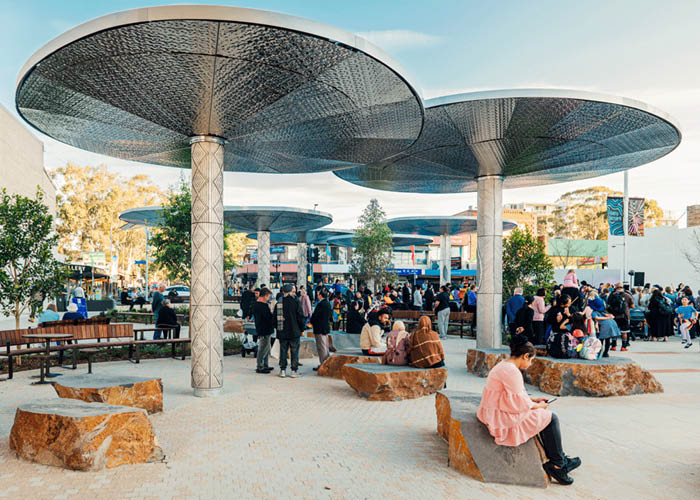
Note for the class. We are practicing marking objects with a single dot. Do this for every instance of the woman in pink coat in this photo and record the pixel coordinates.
(513, 417)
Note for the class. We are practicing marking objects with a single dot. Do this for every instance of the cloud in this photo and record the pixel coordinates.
(397, 40)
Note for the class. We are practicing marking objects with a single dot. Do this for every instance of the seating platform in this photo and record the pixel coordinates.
(307, 349)
(614, 376)
(378, 382)
(119, 390)
(333, 366)
(343, 341)
(82, 436)
(473, 451)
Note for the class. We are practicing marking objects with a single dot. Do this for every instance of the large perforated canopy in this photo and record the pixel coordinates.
(243, 219)
(313, 237)
(530, 137)
(274, 219)
(438, 226)
(287, 94)
(397, 240)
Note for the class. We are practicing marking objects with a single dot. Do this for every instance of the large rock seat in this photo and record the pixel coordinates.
(333, 366)
(378, 382)
(234, 326)
(612, 376)
(83, 436)
(120, 390)
(473, 451)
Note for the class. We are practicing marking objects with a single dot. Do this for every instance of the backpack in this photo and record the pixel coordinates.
(561, 345)
(665, 307)
(617, 304)
(591, 349)
(397, 352)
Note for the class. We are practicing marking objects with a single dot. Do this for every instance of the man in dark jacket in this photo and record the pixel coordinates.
(320, 320)
(168, 318)
(429, 298)
(290, 323)
(247, 302)
(264, 327)
(406, 295)
(620, 308)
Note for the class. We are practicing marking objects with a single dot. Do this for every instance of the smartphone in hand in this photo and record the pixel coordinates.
(550, 401)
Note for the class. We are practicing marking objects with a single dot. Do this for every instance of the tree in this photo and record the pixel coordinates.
(172, 240)
(89, 202)
(565, 252)
(692, 253)
(583, 214)
(28, 269)
(525, 263)
(373, 246)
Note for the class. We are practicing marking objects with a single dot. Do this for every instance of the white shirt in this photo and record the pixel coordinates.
(417, 298)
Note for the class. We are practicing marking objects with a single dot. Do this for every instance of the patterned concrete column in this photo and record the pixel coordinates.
(302, 264)
(206, 300)
(490, 261)
(445, 259)
(264, 258)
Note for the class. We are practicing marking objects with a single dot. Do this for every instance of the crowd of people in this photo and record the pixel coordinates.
(369, 315)
(610, 312)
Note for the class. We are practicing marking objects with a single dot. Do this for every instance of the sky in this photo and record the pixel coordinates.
(646, 50)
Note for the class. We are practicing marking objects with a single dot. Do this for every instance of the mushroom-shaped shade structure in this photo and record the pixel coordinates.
(313, 237)
(216, 88)
(285, 94)
(517, 138)
(397, 240)
(266, 221)
(444, 227)
(529, 137)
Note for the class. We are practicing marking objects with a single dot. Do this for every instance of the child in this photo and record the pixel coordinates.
(686, 319)
(579, 328)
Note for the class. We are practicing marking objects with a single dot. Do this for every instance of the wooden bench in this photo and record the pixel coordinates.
(473, 451)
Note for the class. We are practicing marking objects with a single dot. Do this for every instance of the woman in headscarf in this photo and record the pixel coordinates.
(426, 348)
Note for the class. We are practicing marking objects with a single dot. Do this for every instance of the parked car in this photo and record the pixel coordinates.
(178, 293)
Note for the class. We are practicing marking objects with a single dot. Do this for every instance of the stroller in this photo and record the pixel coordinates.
(638, 324)
(249, 346)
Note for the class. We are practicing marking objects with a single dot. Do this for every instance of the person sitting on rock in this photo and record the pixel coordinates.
(425, 345)
(513, 418)
(371, 341)
(397, 346)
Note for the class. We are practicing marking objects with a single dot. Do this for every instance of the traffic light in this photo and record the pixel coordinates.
(313, 255)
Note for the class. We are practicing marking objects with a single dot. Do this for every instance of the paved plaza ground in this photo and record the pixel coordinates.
(272, 438)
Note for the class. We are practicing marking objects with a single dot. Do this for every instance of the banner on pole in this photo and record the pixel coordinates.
(635, 216)
(615, 215)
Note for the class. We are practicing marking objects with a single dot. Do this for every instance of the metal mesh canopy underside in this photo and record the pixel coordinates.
(314, 237)
(437, 226)
(243, 219)
(397, 240)
(274, 219)
(531, 137)
(289, 95)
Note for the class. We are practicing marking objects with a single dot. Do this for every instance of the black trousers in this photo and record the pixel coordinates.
(550, 437)
(538, 328)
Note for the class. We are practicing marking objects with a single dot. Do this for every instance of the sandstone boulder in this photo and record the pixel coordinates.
(472, 450)
(83, 436)
(378, 382)
(234, 326)
(333, 366)
(117, 390)
(574, 377)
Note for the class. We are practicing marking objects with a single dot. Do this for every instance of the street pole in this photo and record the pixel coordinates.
(625, 217)
(147, 288)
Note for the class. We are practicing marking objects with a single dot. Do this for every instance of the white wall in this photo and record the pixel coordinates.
(22, 161)
(659, 254)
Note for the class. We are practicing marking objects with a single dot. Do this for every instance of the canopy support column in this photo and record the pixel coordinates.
(445, 259)
(264, 258)
(206, 300)
(302, 264)
(490, 261)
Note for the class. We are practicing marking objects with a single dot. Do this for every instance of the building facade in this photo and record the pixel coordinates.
(22, 161)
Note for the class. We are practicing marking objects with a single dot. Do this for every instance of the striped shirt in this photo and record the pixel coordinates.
(426, 349)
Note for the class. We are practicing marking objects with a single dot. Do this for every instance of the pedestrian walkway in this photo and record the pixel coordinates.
(272, 438)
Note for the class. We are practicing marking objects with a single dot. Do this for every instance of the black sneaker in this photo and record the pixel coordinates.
(572, 463)
(559, 475)
(688, 345)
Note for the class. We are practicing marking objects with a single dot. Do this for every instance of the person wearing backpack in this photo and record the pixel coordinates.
(619, 304)
(397, 346)
(659, 316)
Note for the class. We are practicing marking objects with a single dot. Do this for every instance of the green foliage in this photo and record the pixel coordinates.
(172, 241)
(373, 245)
(28, 270)
(525, 262)
(232, 344)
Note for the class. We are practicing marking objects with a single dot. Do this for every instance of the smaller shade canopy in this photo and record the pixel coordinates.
(313, 237)
(398, 240)
(243, 219)
(438, 225)
(274, 219)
